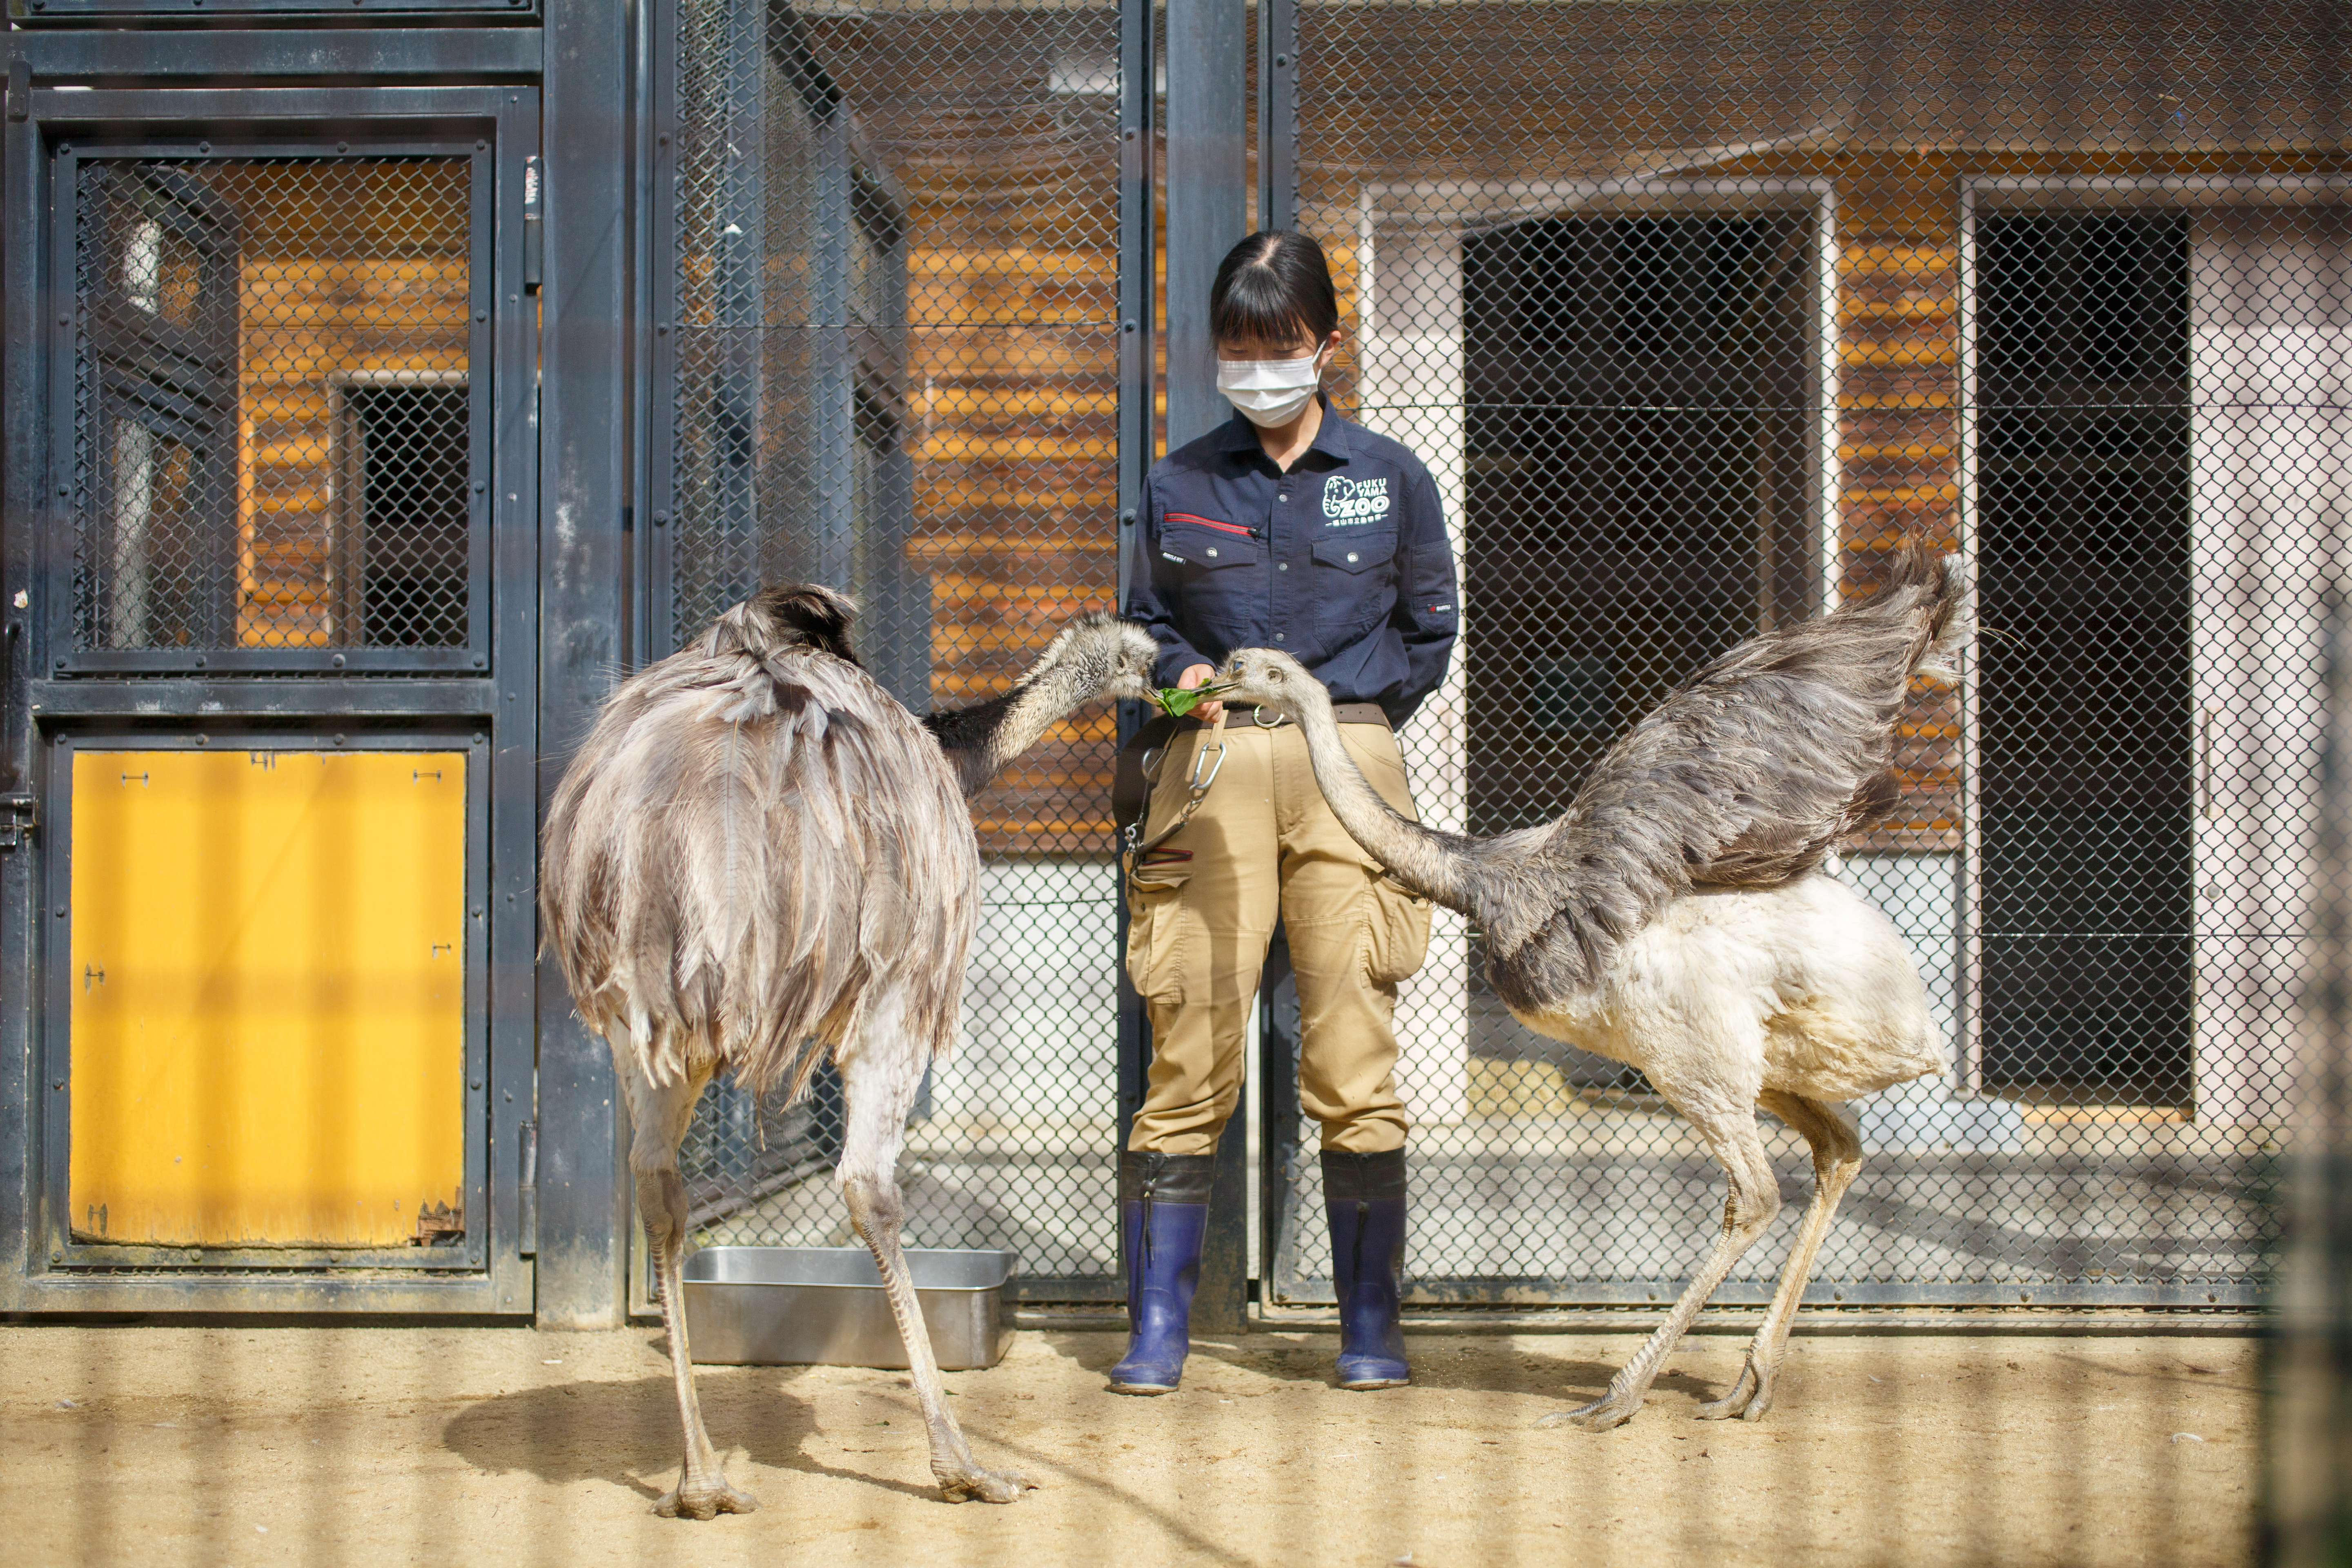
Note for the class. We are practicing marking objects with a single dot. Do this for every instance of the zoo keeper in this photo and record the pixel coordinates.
(1289, 527)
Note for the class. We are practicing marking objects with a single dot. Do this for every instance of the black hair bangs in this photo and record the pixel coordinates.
(1274, 288)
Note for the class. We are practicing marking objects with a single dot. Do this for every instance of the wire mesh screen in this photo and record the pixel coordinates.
(1695, 312)
(894, 352)
(273, 417)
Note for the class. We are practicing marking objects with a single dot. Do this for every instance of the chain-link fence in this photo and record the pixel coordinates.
(1695, 312)
(893, 367)
(273, 425)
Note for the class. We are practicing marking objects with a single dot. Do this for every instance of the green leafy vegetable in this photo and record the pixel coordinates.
(1176, 702)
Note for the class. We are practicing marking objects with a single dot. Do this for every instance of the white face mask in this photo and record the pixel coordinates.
(1268, 390)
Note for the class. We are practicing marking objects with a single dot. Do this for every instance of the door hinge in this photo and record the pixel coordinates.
(528, 1189)
(19, 815)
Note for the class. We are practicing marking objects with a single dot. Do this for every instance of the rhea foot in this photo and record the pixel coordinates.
(969, 1483)
(1751, 1396)
(1611, 1409)
(708, 1500)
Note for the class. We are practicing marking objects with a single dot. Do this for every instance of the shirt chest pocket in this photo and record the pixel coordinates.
(1356, 553)
(1206, 543)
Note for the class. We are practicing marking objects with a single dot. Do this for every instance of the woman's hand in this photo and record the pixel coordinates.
(1208, 712)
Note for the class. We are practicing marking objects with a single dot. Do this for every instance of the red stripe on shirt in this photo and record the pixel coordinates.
(1207, 522)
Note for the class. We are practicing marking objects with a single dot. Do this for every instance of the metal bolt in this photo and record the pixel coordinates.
(338, 739)
(203, 740)
(338, 662)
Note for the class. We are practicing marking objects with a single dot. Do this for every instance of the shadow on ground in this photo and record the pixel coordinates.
(628, 1433)
(1433, 1366)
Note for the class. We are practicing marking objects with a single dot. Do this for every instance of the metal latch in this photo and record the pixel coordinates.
(534, 226)
(528, 1188)
(19, 815)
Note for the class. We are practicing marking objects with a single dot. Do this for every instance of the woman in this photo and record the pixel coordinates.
(1289, 527)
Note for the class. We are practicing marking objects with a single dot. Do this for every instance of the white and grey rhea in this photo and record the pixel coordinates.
(1676, 917)
(760, 857)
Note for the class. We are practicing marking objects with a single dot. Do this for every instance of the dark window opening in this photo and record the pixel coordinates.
(406, 522)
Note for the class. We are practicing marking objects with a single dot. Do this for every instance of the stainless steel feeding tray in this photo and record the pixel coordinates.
(770, 1306)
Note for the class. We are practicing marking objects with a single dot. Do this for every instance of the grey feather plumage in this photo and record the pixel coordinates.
(1674, 917)
(754, 834)
(1747, 776)
(1752, 772)
(758, 857)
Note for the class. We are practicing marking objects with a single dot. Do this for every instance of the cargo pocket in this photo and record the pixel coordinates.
(1397, 939)
(1155, 930)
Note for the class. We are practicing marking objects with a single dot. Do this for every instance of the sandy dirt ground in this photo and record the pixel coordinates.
(152, 1446)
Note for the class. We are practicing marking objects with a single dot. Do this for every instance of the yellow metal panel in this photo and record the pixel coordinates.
(269, 994)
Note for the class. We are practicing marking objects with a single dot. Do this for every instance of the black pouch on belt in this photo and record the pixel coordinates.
(1130, 792)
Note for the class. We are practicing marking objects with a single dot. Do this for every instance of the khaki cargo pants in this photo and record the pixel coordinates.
(1202, 910)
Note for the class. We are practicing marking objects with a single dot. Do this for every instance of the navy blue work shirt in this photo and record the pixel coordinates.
(1343, 563)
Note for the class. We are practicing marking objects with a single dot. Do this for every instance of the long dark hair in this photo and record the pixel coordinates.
(1274, 288)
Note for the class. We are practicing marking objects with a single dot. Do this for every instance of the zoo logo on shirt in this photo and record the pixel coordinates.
(1347, 501)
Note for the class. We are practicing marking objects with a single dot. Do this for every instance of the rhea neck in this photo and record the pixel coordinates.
(981, 739)
(1433, 864)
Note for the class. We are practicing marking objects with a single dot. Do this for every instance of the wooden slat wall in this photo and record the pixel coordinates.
(1015, 403)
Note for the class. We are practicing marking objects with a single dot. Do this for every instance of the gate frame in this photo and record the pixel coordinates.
(482, 712)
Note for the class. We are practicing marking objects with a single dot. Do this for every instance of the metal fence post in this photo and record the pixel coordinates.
(2309, 1517)
(1137, 192)
(1208, 215)
(583, 1211)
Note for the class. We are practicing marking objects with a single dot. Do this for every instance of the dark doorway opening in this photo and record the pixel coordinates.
(2085, 772)
(1642, 492)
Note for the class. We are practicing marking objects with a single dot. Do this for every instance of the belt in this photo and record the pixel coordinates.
(1342, 712)
(1130, 788)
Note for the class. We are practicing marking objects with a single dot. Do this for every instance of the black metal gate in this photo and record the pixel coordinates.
(270, 467)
